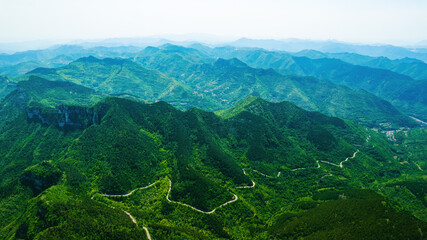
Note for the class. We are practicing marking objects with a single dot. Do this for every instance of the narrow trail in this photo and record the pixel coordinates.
(418, 120)
(327, 175)
(130, 193)
(134, 221)
(338, 165)
(260, 173)
(263, 174)
(341, 163)
(126, 212)
(296, 169)
(253, 183)
(418, 166)
(235, 198)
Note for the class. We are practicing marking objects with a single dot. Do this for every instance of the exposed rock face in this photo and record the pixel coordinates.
(65, 116)
(35, 114)
(79, 117)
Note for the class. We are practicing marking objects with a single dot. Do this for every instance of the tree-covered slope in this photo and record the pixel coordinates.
(210, 176)
(122, 76)
(172, 60)
(38, 91)
(414, 68)
(383, 83)
(232, 80)
(6, 86)
(296, 45)
(228, 81)
(352, 214)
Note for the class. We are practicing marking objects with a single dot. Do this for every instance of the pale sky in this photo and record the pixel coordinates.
(364, 21)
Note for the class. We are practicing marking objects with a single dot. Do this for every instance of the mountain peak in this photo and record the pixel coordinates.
(88, 59)
(92, 59)
(221, 62)
(240, 106)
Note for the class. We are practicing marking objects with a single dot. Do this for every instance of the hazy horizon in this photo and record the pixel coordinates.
(367, 22)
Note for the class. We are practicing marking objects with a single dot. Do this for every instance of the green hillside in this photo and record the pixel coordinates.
(232, 80)
(122, 76)
(383, 83)
(228, 81)
(258, 158)
(6, 86)
(414, 68)
(38, 91)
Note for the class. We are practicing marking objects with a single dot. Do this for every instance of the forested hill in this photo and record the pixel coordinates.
(123, 76)
(231, 174)
(386, 84)
(198, 82)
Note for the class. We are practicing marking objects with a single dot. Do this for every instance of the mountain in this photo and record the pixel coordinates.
(383, 83)
(59, 162)
(172, 60)
(24, 67)
(414, 68)
(189, 78)
(175, 62)
(6, 86)
(123, 76)
(13, 65)
(39, 91)
(70, 51)
(296, 45)
(38, 55)
(231, 80)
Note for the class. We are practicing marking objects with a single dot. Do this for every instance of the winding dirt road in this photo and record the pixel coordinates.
(338, 165)
(127, 213)
(130, 193)
(418, 120)
(134, 221)
(235, 198)
(131, 218)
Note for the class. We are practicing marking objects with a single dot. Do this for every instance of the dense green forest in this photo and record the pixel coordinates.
(269, 160)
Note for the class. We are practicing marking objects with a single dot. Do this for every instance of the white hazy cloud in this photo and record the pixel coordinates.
(346, 20)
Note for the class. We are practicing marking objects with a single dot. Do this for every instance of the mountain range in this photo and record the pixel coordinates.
(386, 84)
(174, 142)
(190, 79)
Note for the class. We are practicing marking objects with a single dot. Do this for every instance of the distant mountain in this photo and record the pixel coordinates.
(172, 60)
(229, 81)
(383, 83)
(22, 62)
(407, 66)
(123, 76)
(296, 45)
(6, 86)
(38, 55)
(191, 80)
